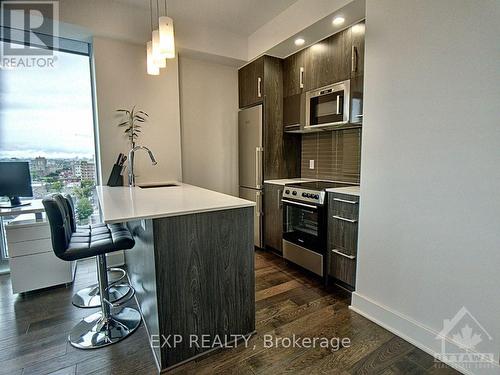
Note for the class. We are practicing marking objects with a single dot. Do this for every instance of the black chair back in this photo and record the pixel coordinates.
(58, 214)
(71, 208)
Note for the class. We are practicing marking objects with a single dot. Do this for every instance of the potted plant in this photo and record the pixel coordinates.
(132, 120)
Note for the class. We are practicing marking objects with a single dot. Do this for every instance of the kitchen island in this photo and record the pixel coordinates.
(192, 265)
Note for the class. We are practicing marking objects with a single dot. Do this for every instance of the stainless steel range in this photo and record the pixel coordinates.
(305, 224)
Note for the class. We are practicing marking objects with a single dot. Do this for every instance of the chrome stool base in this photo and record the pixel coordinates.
(95, 332)
(90, 297)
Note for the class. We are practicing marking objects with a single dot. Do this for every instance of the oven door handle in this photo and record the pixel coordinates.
(299, 204)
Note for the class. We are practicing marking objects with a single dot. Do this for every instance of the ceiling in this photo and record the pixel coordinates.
(238, 16)
(353, 12)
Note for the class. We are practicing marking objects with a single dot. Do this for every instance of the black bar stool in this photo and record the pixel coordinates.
(110, 325)
(89, 297)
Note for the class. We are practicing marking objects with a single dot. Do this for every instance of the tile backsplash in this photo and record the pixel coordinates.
(336, 155)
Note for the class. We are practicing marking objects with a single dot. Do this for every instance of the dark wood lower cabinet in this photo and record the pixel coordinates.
(273, 217)
(343, 214)
(194, 276)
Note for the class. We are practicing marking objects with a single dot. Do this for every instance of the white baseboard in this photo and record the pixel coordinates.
(412, 331)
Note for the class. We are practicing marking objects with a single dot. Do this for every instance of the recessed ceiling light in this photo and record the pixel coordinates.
(338, 20)
(299, 41)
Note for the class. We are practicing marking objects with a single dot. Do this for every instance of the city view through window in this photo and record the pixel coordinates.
(46, 118)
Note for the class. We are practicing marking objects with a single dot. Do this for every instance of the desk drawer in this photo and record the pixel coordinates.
(19, 249)
(34, 232)
(39, 271)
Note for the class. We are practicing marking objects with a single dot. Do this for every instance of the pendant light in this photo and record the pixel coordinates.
(152, 68)
(158, 57)
(167, 41)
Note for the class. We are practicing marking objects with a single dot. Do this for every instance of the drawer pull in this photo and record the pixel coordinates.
(344, 201)
(344, 219)
(344, 255)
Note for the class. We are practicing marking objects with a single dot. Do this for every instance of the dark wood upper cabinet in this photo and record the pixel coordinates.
(261, 82)
(341, 52)
(273, 217)
(294, 73)
(319, 65)
(357, 49)
(328, 61)
(251, 83)
(281, 151)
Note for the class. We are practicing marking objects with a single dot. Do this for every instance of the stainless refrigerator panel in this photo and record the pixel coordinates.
(250, 149)
(255, 196)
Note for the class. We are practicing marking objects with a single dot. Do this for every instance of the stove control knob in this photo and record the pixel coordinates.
(287, 192)
(316, 196)
(304, 195)
(294, 192)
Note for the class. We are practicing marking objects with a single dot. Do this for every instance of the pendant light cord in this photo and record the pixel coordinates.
(151, 13)
(158, 13)
(166, 13)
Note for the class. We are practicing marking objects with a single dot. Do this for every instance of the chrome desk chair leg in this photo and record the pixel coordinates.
(105, 327)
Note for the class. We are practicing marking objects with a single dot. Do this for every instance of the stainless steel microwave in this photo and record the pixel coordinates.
(328, 106)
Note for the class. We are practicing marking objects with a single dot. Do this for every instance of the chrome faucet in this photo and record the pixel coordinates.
(131, 176)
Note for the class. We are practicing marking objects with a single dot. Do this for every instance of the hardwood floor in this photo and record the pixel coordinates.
(34, 328)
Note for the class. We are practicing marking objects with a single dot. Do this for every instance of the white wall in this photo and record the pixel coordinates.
(209, 122)
(119, 31)
(121, 82)
(429, 237)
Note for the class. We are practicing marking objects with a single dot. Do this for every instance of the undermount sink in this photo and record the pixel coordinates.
(151, 186)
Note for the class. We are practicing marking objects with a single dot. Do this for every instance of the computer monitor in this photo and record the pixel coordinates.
(15, 181)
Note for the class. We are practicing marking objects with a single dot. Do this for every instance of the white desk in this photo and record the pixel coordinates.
(33, 264)
(36, 207)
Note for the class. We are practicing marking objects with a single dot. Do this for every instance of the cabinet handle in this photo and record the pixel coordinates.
(301, 77)
(354, 62)
(258, 167)
(338, 104)
(344, 219)
(344, 255)
(258, 211)
(279, 198)
(259, 92)
(344, 201)
(299, 204)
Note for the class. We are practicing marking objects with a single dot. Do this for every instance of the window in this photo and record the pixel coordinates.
(46, 118)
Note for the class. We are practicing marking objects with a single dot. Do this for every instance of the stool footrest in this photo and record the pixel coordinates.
(124, 299)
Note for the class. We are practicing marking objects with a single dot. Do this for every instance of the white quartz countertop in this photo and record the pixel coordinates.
(123, 203)
(350, 190)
